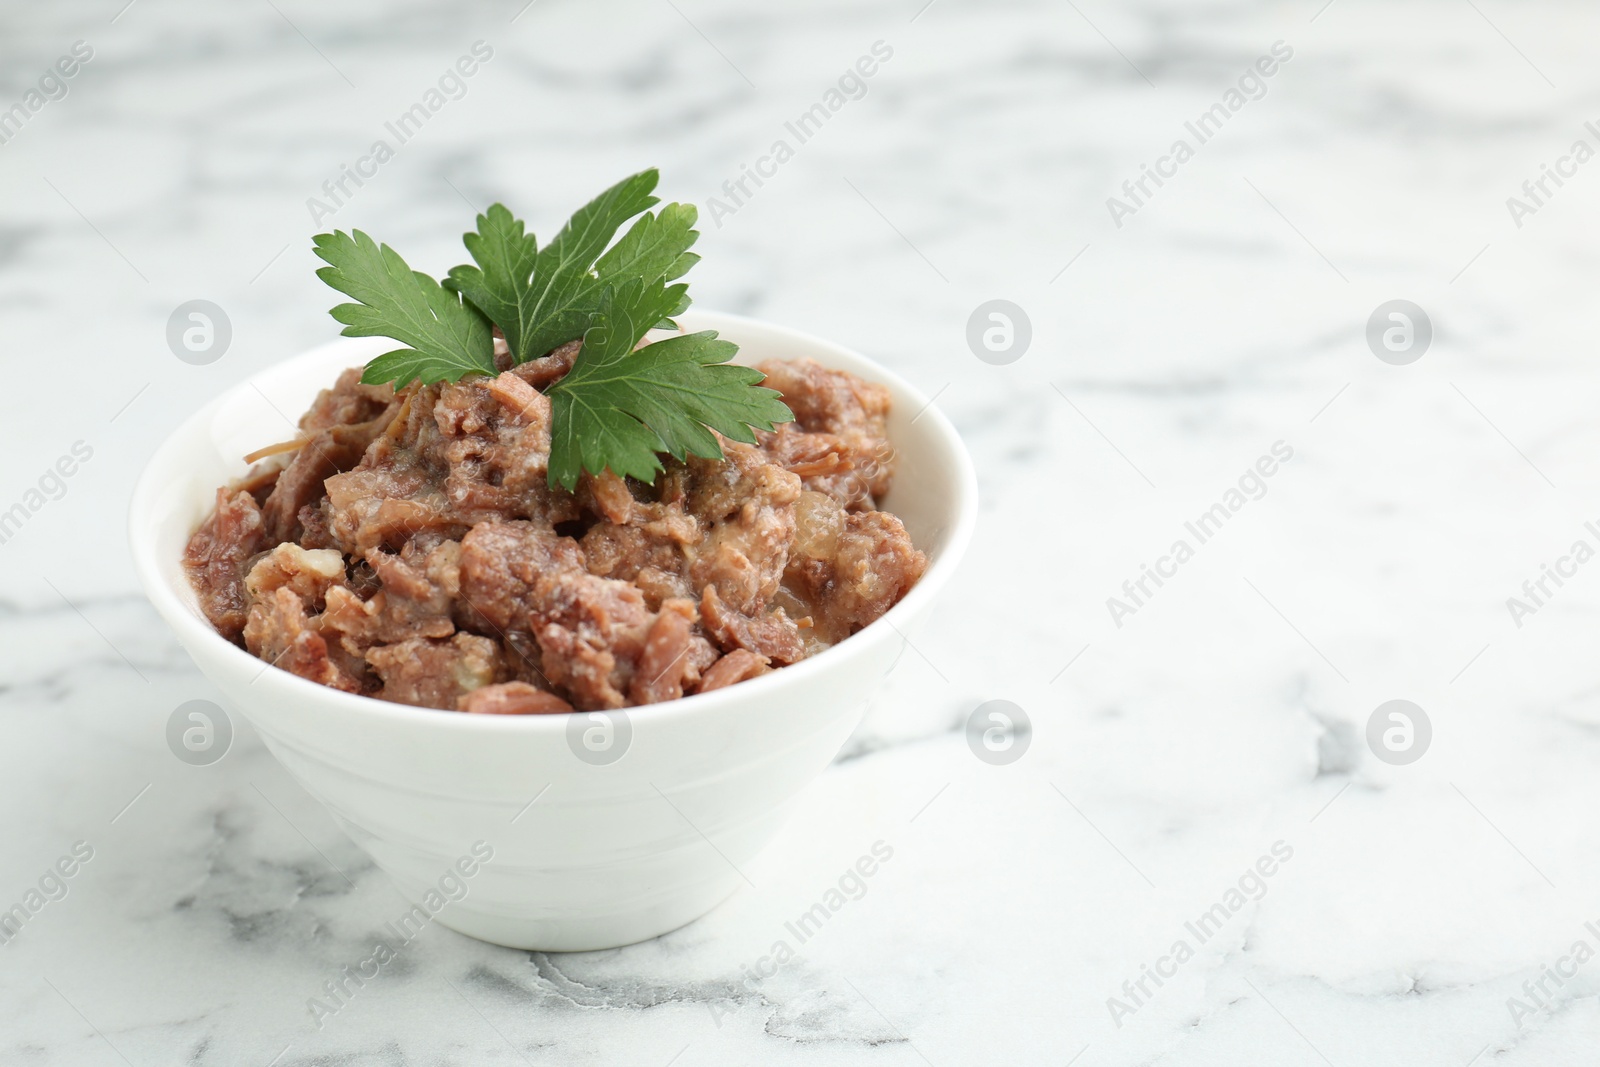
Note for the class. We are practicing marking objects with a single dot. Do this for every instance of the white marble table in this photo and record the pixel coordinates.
(1420, 904)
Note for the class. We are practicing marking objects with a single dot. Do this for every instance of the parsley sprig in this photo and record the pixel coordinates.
(621, 405)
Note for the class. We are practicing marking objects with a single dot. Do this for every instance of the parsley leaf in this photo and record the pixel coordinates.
(498, 285)
(541, 298)
(447, 337)
(656, 248)
(619, 407)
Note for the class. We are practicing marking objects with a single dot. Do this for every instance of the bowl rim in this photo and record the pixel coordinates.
(962, 492)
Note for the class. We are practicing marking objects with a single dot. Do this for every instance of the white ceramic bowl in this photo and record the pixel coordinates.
(611, 853)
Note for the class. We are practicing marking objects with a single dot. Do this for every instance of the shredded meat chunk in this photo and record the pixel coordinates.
(746, 505)
(839, 441)
(411, 547)
(308, 573)
(504, 564)
(871, 566)
(338, 428)
(215, 560)
(647, 542)
(771, 635)
(591, 634)
(348, 403)
(666, 658)
(299, 487)
(279, 632)
(737, 666)
(550, 369)
(433, 673)
(511, 698)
